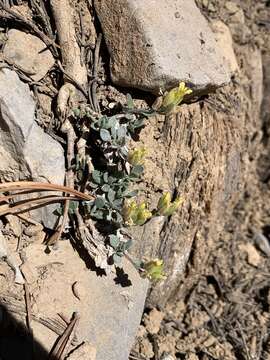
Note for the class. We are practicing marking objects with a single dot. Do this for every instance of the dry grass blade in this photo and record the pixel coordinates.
(26, 187)
(38, 186)
(59, 347)
(31, 204)
(20, 18)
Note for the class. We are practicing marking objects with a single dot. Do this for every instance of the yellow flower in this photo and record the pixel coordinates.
(136, 157)
(154, 270)
(164, 202)
(136, 214)
(128, 211)
(173, 98)
(166, 207)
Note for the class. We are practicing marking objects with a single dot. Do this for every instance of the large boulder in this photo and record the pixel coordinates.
(155, 44)
(26, 151)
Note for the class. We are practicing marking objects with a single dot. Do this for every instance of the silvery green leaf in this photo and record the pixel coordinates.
(130, 104)
(128, 244)
(98, 215)
(96, 176)
(105, 177)
(77, 112)
(114, 241)
(121, 133)
(105, 188)
(112, 122)
(117, 259)
(105, 135)
(99, 202)
(129, 194)
(117, 203)
(111, 195)
(137, 170)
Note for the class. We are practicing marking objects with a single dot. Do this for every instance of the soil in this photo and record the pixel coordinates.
(223, 311)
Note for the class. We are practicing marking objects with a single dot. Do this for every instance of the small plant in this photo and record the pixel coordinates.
(117, 168)
(153, 270)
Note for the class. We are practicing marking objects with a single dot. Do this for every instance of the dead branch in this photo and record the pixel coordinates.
(11, 14)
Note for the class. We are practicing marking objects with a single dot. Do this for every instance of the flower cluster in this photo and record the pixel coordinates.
(166, 206)
(154, 270)
(136, 214)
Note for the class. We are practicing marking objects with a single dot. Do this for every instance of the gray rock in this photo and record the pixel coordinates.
(155, 44)
(110, 310)
(26, 151)
(28, 52)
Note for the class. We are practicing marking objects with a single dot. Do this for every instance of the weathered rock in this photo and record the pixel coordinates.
(28, 52)
(26, 152)
(224, 39)
(110, 308)
(154, 44)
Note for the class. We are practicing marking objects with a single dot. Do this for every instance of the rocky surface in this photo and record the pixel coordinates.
(223, 37)
(110, 306)
(26, 151)
(29, 53)
(152, 52)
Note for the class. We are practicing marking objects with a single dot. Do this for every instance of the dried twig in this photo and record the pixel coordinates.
(58, 349)
(68, 129)
(28, 307)
(40, 8)
(244, 341)
(31, 204)
(38, 186)
(18, 17)
(52, 324)
(93, 83)
(5, 255)
(72, 80)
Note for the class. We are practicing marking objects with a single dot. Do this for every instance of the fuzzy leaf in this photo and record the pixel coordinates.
(112, 121)
(121, 133)
(105, 188)
(117, 259)
(130, 103)
(105, 135)
(76, 112)
(114, 241)
(137, 170)
(117, 204)
(111, 195)
(130, 194)
(73, 205)
(99, 202)
(96, 176)
(128, 244)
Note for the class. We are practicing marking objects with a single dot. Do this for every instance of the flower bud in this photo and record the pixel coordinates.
(166, 207)
(164, 203)
(173, 98)
(154, 270)
(174, 206)
(136, 157)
